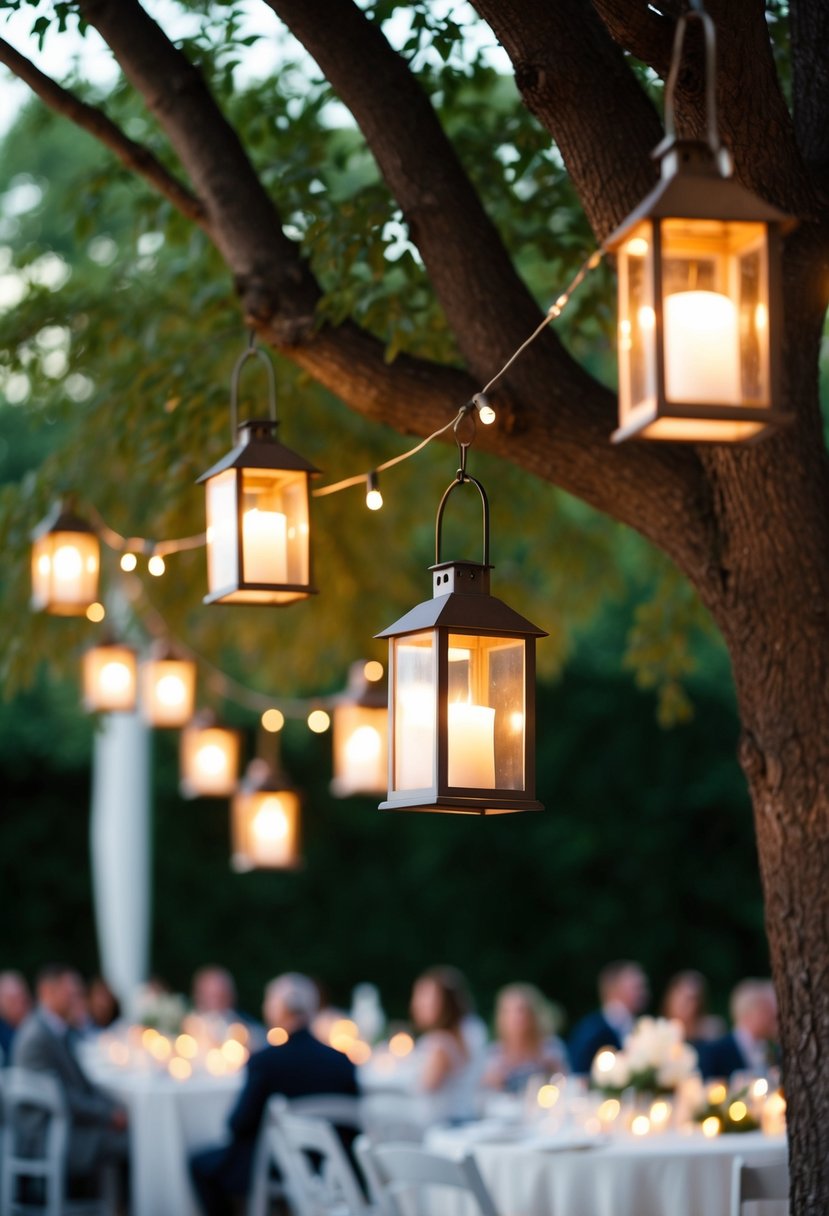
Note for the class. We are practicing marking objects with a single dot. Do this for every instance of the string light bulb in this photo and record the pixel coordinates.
(485, 411)
(374, 498)
(128, 562)
(156, 565)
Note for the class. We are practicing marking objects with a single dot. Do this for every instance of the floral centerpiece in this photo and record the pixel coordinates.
(654, 1059)
(161, 1011)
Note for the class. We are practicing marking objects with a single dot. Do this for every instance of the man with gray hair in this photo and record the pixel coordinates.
(750, 1047)
(295, 1065)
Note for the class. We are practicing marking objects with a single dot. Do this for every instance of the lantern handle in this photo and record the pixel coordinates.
(252, 352)
(710, 34)
(462, 478)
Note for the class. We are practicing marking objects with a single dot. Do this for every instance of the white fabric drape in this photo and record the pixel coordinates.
(120, 843)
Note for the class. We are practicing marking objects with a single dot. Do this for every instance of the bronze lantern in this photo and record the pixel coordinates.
(699, 284)
(462, 693)
(265, 821)
(66, 561)
(258, 512)
(361, 731)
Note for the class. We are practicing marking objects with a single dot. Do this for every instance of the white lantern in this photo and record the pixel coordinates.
(110, 676)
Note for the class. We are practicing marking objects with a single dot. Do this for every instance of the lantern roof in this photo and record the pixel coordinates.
(464, 611)
(258, 448)
(264, 777)
(61, 518)
(693, 187)
(362, 692)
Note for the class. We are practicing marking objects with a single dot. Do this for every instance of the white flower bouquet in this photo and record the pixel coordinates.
(654, 1059)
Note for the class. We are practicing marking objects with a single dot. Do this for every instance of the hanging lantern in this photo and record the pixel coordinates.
(461, 692)
(258, 517)
(265, 821)
(168, 688)
(110, 677)
(361, 732)
(698, 265)
(209, 758)
(65, 564)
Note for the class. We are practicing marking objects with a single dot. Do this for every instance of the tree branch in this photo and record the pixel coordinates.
(578, 84)
(637, 27)
(131, 154)
(809, 23)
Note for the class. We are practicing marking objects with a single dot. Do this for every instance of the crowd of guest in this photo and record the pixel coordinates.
(451, 1063)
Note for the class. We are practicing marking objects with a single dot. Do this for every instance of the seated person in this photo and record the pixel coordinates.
(15, 1007)
(526, 1045)
(686, 1001)
(298, 1067)
(623, 991)
(443, 1069)
(750, 1047)
(214, 999)
(44, 1044)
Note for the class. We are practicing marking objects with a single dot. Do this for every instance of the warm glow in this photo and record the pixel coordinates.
(265, 546)
(761, 316)
(318, 721)
(401, 1044)
(156, 565)
(737, 1111)
(160, 1048)
(609, 1110)
(128, 562)
(170, 691)
(760, 1088)
(640, 1125)
(660, 1113)
(373, 671)
(717, 1093)
(374, 500)
(363, 745)
(711, 1126)
(548, 1095)
(486, 414)
(114, 678)
(180, 1069)
(273, 720)
(95, 612)
(637, 248)
(211, 759)
(471, 739)
(270, 824)
(67, 563)
(215, 1062)
(239, 1032)
(277, 1035)
(516, 721)
(605, 1060)
(359, 1052)
(187, 1046)
(147, 1037)
(235, 1055)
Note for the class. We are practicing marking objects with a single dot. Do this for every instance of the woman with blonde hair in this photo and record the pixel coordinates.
(526, 1044)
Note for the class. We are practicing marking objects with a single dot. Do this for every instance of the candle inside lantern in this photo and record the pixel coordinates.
(702, 350)
(471, 746)
(414, 759)
(265, 546)
(271, 834)
(116, 682)
(362, 755)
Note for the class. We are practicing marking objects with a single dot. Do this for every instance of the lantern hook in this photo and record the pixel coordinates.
(462, 478)
(251, 352)
(696, 11)
(466, 415)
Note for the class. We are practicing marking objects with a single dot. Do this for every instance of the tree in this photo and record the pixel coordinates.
(749, 528)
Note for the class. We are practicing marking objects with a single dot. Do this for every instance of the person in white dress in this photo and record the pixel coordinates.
(444, 1072)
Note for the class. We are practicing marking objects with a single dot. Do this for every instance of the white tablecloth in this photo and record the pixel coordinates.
(168, 1121)
(668, 1175)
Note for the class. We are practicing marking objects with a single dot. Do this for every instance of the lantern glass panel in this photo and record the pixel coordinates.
(414, 676)
(209, 762)
(486, 713)
(109, 679)
(715, 312)
(274, 526)
(637, 324)
(168, 689)
(265, 829)
(360, 749)
(65, 572)
(222, 548)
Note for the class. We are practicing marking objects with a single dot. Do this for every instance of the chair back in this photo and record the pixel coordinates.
(33, 1146)
(399, 1173)
(318, 1175)
(391, 1116)
(343, 1110)
(759, 1190)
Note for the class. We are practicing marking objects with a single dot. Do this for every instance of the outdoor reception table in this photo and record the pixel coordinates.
(663, 1175)
(168, 1121)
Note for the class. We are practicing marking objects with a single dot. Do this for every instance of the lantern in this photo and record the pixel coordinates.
(65, 564)
(461, 693)
(209, 758)
(265, 821)
(110, 677)
(257, 503)
(361, 731)
(168, 688)
(698, 265)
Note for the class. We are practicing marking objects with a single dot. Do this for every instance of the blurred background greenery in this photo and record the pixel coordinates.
(118, 331)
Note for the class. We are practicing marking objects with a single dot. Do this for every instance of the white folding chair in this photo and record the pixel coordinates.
(319, 1178)
(390, 1116)
(44, 1164)
(759, 1190)
(343, 1110)
(398, 1173)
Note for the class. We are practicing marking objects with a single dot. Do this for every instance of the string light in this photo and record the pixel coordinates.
(273, 720)
(374, 499)
(95, 613)
(128, 562)
(318, 721)
(156, 565)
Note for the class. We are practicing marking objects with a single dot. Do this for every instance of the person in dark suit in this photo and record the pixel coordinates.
(298, 1067)
(750, 1046)
(97, 1130)
(15, 1007)
(623, 991)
